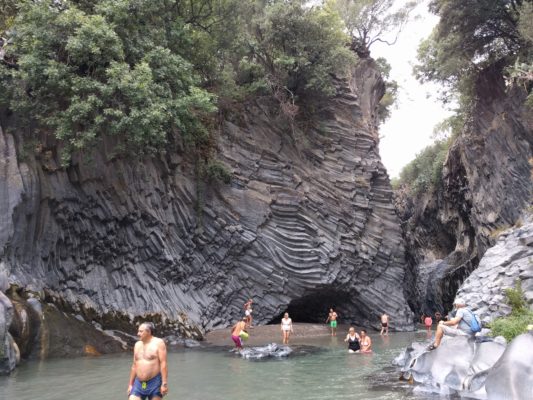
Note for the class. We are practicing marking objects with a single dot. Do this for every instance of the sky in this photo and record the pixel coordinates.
(410, 127)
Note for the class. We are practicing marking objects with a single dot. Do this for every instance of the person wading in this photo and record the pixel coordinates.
(384, 324)
(332, 319)
(148, 376)
(286, 328)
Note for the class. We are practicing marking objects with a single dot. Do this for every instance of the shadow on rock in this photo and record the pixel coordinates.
(471, 368)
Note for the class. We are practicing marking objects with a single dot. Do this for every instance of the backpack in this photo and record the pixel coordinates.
(475, 323)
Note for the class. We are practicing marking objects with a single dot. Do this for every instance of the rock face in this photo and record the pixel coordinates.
(485, 188)
(509, 261)
(8, 352)
(306, 223)
(482, 370)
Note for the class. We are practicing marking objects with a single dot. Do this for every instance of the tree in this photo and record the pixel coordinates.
(299, 48)
(470, 36)
(367, 21)
(114, 69)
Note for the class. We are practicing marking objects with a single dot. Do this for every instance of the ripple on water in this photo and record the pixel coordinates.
(324, 371)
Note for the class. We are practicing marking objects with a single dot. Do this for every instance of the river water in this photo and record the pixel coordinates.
(327, 371)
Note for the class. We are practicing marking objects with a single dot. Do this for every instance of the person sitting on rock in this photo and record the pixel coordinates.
(459, 325)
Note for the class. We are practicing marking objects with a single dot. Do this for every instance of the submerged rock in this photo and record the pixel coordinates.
(471, 368)
(269, 351)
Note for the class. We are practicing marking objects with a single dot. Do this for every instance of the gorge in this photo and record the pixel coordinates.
(299, 214)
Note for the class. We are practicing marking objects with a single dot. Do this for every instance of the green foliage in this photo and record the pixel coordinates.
(144, 70)
(515, 298)
(297, 48)
(511, 326)
(215, 170)
(7, 13)
(390, 98)
(84, 76)
(516, 323)
(470, 36)
(450, 127)
(425, 171)
(367, 21)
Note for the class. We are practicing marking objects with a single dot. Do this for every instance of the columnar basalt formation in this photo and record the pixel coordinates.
(486, 187)
(306, 223)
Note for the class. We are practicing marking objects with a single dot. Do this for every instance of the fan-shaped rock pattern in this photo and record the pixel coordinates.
(308, 216)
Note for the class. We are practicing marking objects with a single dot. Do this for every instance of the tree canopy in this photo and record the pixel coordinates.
(368, 21)
(472, 35)
(144, 70)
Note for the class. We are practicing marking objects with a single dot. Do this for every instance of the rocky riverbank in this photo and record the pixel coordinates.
(479, 368)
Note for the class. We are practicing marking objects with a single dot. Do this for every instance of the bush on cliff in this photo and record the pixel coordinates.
(521, 316)
(425, 171)
(142, 71)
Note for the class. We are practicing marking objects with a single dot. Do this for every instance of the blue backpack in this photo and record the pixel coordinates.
(475, 323)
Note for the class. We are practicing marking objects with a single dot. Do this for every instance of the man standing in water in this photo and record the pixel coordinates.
(384, 324)
(332, 319)
(148, 377)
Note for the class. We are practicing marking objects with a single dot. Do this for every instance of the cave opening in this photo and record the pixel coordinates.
(314, 307)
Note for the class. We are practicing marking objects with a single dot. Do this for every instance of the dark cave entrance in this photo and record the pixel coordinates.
(314, 307)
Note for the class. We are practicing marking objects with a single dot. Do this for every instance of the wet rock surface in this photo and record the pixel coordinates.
(306, 223)
(8, 348)
(272, 350)
(470, 368)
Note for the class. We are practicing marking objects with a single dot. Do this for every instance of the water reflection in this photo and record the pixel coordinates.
(218, 374)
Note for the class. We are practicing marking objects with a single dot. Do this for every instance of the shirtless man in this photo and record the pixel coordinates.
(384, 324)
(148, 377)
(332, 319)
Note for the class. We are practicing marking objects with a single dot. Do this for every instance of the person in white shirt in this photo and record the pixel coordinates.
(286, 328)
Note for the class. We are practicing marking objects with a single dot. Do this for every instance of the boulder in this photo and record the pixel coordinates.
(507, 262)
(269, 351)
(512, 376)
(472, 368)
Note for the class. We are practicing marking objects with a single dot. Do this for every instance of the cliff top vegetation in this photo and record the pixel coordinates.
(472, 36)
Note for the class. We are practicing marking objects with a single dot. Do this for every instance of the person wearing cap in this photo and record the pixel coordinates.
(459, 325)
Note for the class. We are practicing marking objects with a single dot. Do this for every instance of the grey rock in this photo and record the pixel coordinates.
(8, 352)
(485, 189)
(306, 223)
(512, 376)
(510, 257)
(468, 368)
(269, 351)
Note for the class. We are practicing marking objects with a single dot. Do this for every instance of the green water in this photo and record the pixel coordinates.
(215, 374)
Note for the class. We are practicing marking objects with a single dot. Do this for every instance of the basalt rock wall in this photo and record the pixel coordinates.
(306, 223)
(486, 187)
